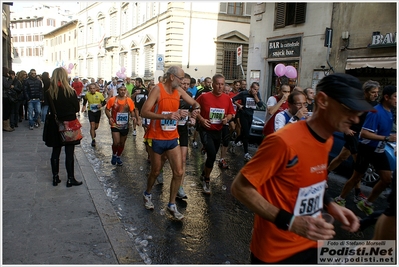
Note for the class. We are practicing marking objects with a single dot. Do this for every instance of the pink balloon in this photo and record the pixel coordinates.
(123, 76)
(290, 72)
(279, 70)
(118, 74)
(69, 71)
(123, 69)
(70, 66)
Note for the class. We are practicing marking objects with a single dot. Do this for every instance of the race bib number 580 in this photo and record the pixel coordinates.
(310, 200)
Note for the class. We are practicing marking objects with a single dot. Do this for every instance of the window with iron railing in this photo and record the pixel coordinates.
(230, 70)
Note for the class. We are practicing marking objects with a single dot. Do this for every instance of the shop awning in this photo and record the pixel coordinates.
(371, 62)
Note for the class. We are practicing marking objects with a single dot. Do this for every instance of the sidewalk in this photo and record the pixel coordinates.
(46, 224)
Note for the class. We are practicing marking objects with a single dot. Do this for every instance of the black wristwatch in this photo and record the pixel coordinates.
(386, 139)
(295, 118)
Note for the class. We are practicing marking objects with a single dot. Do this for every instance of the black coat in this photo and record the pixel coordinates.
(66, 108)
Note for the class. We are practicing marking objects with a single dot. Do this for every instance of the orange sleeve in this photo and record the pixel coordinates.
(110, 102)
(130, 103)
(269, 159)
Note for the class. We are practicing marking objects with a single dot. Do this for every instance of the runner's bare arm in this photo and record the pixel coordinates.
(306, 226)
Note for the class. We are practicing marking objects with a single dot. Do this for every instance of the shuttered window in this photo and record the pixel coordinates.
(289, 14)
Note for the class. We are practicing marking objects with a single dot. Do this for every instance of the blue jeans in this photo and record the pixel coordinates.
(33, 105)
(44, 112)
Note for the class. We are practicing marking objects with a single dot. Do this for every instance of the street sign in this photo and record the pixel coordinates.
(160, 62)
(239, 55)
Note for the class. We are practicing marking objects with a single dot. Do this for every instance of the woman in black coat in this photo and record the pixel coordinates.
(46, 86)
(66, 105)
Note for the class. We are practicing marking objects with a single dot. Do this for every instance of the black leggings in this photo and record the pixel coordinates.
(211, 141)
(69, 158)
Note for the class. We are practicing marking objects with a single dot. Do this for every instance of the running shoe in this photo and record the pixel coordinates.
(147, 202)
(134, 133)
(239, 143)
(36, 125)
(113, 160)
(30, 127)
(247, 157)
(93, 143)
(195, 144)
(119, 161)
(232, 147)
(181, 194)
(223, 164)
(340, 201)
(205, 186)
(366, 208)
(359, 197)
(160, 177)
(173, 210)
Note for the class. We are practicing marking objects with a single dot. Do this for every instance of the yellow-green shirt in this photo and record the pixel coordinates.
(93, 101)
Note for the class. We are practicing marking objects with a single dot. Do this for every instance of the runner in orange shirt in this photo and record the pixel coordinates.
(284, 184)
(162, 107)
(117, 110)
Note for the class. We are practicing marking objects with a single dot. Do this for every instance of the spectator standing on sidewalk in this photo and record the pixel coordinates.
(66, 105)
(162, 107)
(284, 184)
(33, 88)
(46, 86)
(7, 103)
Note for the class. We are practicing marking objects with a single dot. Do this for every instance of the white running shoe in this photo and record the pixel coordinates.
(247, 157)
(160, 177)
(173, 210)
(134, 133)
(147, 202)
(181, 194)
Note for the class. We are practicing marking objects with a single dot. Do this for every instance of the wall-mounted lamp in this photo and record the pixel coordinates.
(345, 35)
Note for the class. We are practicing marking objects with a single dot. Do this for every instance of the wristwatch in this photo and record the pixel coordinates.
(295, 118)
(386, 139)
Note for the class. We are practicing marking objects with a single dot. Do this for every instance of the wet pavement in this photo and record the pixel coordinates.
(216, 228)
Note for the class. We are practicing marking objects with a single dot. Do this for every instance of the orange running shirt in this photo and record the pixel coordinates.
(164, 129)
(120, 110)
(290, 178)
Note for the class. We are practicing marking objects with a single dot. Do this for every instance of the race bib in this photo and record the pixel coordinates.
(183, 120)
(310, 200)
(216, 115)
(122, 118)
(250, 103)
(145, 121)
(94, 107)
(168, 125)
(139, 97)
(381, 147)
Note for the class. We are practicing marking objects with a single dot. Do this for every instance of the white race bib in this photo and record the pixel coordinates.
(250, 103)
(183, 120)
(310, 200)
(168, 125)
(216, 115)
(122, 118)
(94, 107)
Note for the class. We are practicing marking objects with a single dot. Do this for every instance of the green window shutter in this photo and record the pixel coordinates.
(300, 14)
(279, 21)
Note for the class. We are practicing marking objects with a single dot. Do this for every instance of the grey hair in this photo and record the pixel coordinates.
(174, 70)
